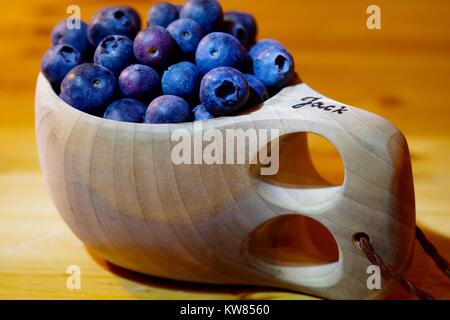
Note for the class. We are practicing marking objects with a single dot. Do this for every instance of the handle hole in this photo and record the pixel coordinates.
(309, 174)
(357, 238)
(293, 240)
(305, 160)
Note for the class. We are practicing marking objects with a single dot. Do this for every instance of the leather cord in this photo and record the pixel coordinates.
(391, 273)
(431, 250)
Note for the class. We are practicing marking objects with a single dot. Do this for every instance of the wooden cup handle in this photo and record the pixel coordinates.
(376, 198)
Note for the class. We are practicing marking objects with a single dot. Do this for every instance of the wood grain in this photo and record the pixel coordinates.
(399, 72)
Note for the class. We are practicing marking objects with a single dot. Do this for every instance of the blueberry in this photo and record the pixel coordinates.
(168, 109)
(126, 110)
(274, 67)
(200, 113)
(115, 53)
(258, 92)
(58, 61)
(207, 13)
(112, 21)
(263, 44)
(224, 91)
(162, 14)
(219, 49)
(182, 80)
(136, 19)
(242, 26)
(140, 82)
(77, 38)
(88, 87)
(187, 34)
(154, 47)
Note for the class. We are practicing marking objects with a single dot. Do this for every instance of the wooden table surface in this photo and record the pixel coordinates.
(401, 72)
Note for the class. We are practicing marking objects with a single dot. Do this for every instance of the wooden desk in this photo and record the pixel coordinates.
(400, 72)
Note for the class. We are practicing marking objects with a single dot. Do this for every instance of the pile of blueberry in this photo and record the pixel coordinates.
(192, 62)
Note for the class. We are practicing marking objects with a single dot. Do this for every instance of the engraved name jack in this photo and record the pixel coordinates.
(314, 102)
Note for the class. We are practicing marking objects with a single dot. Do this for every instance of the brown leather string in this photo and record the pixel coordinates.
(389, 272)
(431, 250)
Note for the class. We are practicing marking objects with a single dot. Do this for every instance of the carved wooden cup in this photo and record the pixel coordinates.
(116, 186)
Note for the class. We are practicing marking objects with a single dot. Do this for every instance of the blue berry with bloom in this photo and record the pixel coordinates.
(126, 110)
(201, 114)
(140, 82)
(168, 109)
(89, 88)
(187, 34)
(133, 14)
(274, 67)
(162, 14)
(242, 26)
(115, 53)
(219, 49)
(258, 92)
(182, 80)
(223, 91)
(111, 21)
(154, 47)
(207, 13)
(58, 61)
(256, 49)
(66, 32)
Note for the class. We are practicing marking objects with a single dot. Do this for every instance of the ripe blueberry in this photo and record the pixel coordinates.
(76, 37)
(168, 109)
(140, 82)
(274, 67)
(162, 14)
(115, 53)
(224, 91)
(263, 44)
(111, 21)
(154, 47)
(187, 34)
(88, 87)
(200, 113)
(258, 92)
(219, 49)
(207, 13)
(136, 19)
(182, 80)
(58, 61)
(126, 110)
(242, 26)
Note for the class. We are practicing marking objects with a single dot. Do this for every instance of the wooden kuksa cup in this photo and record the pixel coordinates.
(116, 187)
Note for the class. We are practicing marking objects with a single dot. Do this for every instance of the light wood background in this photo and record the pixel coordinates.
(401, 72)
